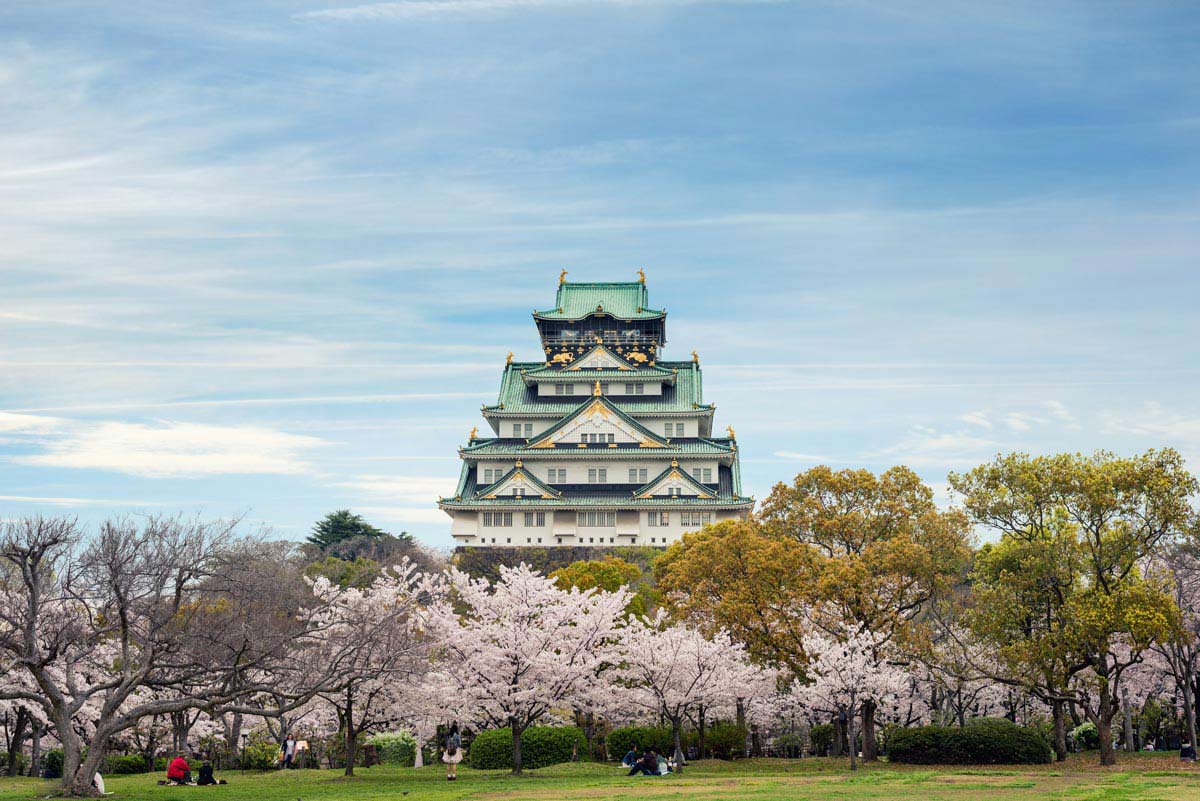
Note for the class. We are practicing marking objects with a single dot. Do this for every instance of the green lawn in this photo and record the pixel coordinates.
(1144, 777)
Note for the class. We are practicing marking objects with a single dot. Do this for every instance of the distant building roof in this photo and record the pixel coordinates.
(624, 300)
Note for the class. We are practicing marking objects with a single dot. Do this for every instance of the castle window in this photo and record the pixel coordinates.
(529, 429)
(635, 389)
(597, 475)
(674, 429)
(658, 519)
(594, 518)
(675, 492)
(557, 475)
(535, 519)
(518, 492)
(704, 476)
(497, 519)
(637, 475)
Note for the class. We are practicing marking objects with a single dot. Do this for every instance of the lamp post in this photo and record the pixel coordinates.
(244, 737)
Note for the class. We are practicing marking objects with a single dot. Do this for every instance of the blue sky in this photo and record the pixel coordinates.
(267, 258)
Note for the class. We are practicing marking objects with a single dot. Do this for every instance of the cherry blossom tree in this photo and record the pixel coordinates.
(518, 649)
(380, 628)
(668, 669)
(846, 672)
(149, 619)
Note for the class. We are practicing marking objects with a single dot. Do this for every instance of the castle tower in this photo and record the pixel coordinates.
(599, 443)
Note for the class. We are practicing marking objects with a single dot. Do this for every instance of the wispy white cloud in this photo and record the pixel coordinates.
(978, 418)
(927, 448)
(802, 457)
(413, 489)
(177, 450)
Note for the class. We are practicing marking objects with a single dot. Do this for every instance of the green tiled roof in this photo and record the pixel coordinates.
(623, 300)
(587, 404)
(518, 398)
(701, 490)
(517, 448)
(542, 487)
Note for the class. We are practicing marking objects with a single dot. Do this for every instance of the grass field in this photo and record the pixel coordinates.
(1145, 777)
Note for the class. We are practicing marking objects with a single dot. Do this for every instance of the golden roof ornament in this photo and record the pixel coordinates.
(730, 430)
(508, 360)
(474, 431)
(518, 463)
(562, 279)
(674, 463)
(695, 357)
(596, 390)
(641, 275)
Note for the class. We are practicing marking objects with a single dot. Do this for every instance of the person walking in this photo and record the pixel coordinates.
(452, 752)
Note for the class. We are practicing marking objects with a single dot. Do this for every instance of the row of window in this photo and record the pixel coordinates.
(596, 475)
(637, 388)
(522, 429)
(505, 519)
(597, 518)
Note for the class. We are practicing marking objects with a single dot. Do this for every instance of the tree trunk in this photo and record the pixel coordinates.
(16, 739)
(351, 735)
(1127, 722)
(850, 740)
(1189, 710)
(835, 748)
(701, 740)
(1104, 728)
(677, 732)
(35, 749)
(741, 723)
(81, 778)
(517, 732)
(419, 756)
(1059, 715)
(870, 746)
(756, 748)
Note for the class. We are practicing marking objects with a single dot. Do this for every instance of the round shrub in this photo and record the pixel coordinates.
(540, 746)
(260, 756)
(121, 765)
(395, 747)
(1085, 736)
(726, 740)
(820, 737)
(980, 742)
(657, 737)
(52, 764)
(790, 745)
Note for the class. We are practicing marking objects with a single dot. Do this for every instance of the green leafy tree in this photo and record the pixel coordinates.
(359, 572)
(339, 526)
(1104, 516)
(608, 574)
(884, 550)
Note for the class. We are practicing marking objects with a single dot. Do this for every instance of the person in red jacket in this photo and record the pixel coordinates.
(178, 771)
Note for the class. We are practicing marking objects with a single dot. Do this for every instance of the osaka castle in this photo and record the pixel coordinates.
(600, 442)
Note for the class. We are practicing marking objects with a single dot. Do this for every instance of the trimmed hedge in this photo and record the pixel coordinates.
(981, 742)
(123, 765)
(726, 740)
(395, 747)
(541, 746)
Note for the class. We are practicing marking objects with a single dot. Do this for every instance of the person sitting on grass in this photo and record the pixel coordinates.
(206, 776)
(647, 765)
(178, 772)
(631, 756)
(1187, 751)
